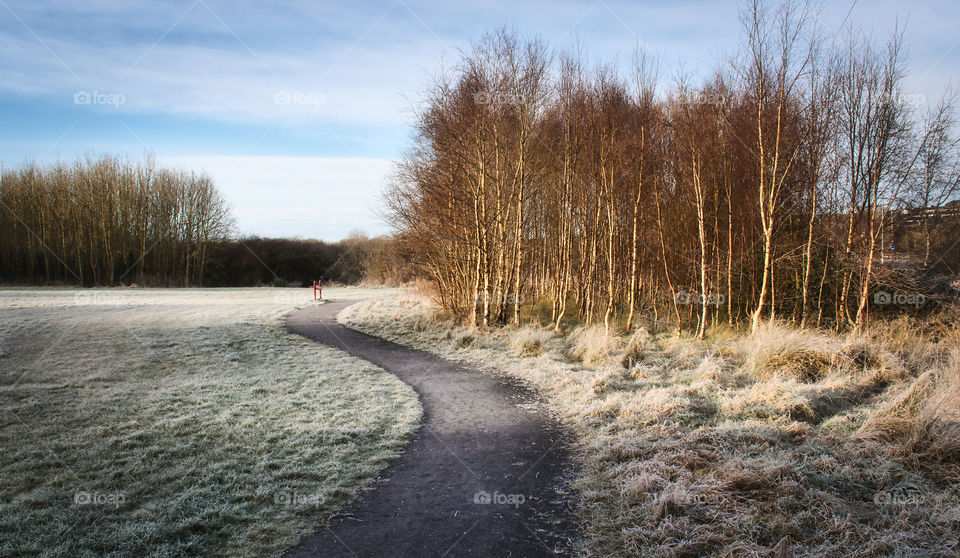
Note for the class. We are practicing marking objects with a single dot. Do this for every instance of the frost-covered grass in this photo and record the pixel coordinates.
(171, 422)
(785, 443)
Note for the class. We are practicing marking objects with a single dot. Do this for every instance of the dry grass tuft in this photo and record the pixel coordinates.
(777, 350)
(897, 418)
(464, 340)
(636, 346)
(592, 345)
(938, 430)
(924, 418)
(528, 341)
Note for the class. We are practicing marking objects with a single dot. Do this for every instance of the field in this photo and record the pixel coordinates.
(154, 422)
(786, 443)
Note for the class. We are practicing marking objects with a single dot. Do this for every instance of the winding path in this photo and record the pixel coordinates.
(475, 444)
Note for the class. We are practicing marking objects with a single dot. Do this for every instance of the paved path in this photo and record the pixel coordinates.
(475, 444)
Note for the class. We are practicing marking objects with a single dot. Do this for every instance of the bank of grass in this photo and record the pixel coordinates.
(181, 422)
(785, 443)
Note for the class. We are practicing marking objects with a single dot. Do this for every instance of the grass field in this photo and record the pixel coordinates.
(154, 422)
(785, 443)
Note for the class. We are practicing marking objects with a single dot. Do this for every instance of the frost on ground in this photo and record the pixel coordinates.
(163, 422)
(786, 443)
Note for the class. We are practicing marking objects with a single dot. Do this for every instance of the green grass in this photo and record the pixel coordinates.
(169, 423)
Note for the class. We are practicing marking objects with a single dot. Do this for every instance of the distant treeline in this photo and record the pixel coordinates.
(769, 190)
(107, 221)
(120, 221)
(293, 262)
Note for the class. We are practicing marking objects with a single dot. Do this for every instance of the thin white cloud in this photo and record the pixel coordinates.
(319, 197)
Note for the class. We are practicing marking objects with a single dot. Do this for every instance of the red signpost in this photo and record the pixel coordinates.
(317, 290)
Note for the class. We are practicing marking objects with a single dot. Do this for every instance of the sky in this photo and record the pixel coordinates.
(298, 110)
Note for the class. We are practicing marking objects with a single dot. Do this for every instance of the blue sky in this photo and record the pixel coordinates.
(298, 109)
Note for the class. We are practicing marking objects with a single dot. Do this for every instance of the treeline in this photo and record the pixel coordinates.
(117, 221)
(285, 262)
(108, 221)
(764, 192)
